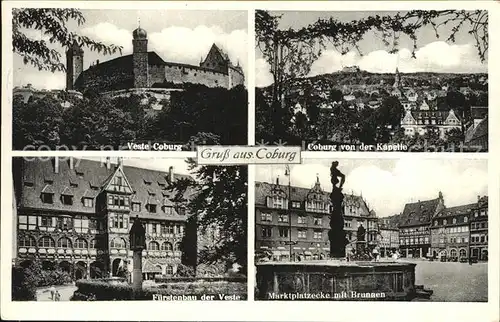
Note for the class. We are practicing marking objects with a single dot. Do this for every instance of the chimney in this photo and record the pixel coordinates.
(56, 165)
(71, 163)
(97, 62)
(478, 198)
(108, 163)
(440, 195)
(278, 180)
(171, 174)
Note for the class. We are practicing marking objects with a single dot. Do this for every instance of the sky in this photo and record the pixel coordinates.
(159, 164)
(388, 184)
(182, 36)
(433, 54)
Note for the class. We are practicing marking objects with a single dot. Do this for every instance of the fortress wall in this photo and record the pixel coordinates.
(106, 77)
(236, 78)
(152, 99)
(181, 74)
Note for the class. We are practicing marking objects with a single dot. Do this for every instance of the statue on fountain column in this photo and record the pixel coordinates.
(336, 235)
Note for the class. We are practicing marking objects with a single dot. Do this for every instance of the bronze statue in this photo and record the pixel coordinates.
(336, 235)
(361, 233)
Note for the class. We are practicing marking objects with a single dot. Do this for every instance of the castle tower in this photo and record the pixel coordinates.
(140, 58)
(74, 65)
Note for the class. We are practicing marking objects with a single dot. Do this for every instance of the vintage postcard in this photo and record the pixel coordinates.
(250, 160)
(372, 229)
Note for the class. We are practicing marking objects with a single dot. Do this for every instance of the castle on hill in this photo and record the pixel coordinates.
(145, 69)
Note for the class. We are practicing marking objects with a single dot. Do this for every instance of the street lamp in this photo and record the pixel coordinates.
(137, 236)
(290, 242)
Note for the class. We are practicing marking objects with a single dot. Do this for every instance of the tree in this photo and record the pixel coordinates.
(390, 112)
(52, 22)
(218, 204)
(291, 52)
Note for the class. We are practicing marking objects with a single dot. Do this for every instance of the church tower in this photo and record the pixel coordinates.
(74, 65)
(140, 58)
(397, 79)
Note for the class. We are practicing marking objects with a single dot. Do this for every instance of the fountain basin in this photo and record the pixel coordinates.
(336, 280)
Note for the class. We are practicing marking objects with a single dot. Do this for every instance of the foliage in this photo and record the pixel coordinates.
(219, 204)
(53, 24)
(185, 271)
(25, 280)
(105, 291)
(198, 115)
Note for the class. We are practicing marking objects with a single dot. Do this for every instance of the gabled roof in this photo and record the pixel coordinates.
(458, 210)
(474, 133)
(264, 189)
(97, 173)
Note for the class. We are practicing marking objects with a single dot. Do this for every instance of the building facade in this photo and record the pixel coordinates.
(146, 69)
(450, 233)
(414, 227)
(297, 228)
(479, 230)
(76, 214)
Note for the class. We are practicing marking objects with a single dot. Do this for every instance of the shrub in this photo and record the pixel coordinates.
(185, 271)
(24, 284)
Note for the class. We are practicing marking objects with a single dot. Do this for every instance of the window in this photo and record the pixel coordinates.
(46, 241)
(302, 233)
(64, 242)
(266, 231)
(118, 221)
(81, 243)
(482, 239)
(466, 219)
(47, 198)
(169, 270)
(444, 222)
(93, 243)
(318, 221)
(88, 202)
(136, 206)
(93, 223)
(177, 247)
(463, 253)
(27, 241)
(454, 220)
(67, 200)
(301, 219)
(266, 217)
(118, 243)
(166, 246)
(278, 202)
(435, 222)
(153, 228)
(283, 232)
(426, 240)
(453, 253)
(151, 208)
(317, 234)
(154, 246)
(282, 218)
(295, 204)
(45, 221)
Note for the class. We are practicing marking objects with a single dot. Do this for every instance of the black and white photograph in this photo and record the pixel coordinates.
(372, 229)
(111, 79)
(103, 229)
(404, 81)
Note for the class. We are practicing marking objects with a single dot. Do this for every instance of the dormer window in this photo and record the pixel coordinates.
(28, 184)
(47, 197)
(79, 174)
(151, 208)
(88, 202)
(136, 206)
(147, 182)
(67, 200)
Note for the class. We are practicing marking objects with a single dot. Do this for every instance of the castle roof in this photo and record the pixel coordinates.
(481, 130)
(140, 33)
(221, 52)
(87, 179)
